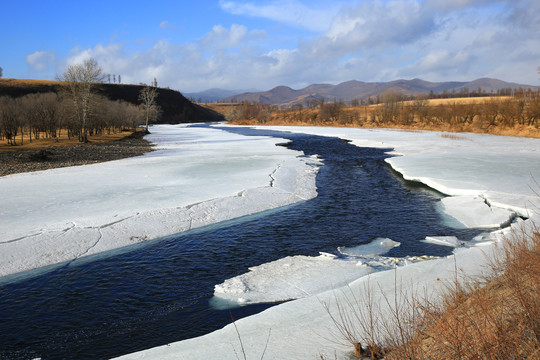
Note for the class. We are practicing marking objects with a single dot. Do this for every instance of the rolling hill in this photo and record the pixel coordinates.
(176, 108)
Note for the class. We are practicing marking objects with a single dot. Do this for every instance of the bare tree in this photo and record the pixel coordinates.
(81, 81)
(1, 72)
(150, 108)
(10, 119)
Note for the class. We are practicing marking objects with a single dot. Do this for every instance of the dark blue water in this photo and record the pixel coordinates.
(160, 293)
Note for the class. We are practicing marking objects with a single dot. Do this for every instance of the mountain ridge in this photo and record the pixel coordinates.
(353, 89)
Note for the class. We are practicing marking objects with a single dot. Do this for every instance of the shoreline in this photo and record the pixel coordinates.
(18, 161)
(153, 200)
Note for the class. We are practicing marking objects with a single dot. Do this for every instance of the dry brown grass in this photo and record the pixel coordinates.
(492, 318)
(500, 320)
(464, 100)
(61, 140)
(486, 115)
(28, 82)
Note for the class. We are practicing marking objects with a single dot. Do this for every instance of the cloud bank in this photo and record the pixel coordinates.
(436, 40)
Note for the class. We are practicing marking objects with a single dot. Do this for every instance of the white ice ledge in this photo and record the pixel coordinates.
(198, 177)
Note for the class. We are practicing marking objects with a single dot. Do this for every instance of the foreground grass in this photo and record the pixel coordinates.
(497, 317)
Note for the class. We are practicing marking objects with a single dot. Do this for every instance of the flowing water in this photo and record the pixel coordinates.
(160, 293)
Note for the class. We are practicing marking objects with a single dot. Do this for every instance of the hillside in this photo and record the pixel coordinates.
(176, 108)
(285, 96)
(212, 95)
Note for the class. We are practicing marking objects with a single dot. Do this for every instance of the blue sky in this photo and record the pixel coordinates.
(236, 44)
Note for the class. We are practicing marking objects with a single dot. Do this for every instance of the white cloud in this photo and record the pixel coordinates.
(369, 41)
(221, 37)
(41, 61)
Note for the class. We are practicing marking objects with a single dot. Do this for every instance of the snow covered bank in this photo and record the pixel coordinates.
(495, 171)
(502, 171)
(198, 176)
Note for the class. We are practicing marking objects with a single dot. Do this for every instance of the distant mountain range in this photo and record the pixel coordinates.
(212, 95)
(285, 96)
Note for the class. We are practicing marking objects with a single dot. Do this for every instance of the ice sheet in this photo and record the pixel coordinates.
(499, 170)
(292, 277)
(451, 241)
(198, 176)
(474, 212)
(376, 247)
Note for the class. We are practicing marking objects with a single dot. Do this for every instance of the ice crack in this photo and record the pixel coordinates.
(272, 177)
(20, 238)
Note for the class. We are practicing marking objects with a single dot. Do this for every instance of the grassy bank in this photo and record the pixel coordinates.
(504, 115)
(497, 317)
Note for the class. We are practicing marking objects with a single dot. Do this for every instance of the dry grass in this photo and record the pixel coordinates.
(487, 115)
(493, 318)
(28, 82)
(61, 140)
(464, 100)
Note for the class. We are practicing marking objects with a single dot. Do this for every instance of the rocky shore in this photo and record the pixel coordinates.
(12, 162)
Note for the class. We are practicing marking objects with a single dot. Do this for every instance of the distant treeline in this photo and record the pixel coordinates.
(445, 94)
(521, 109)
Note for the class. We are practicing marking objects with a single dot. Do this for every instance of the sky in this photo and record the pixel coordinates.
(197, 45)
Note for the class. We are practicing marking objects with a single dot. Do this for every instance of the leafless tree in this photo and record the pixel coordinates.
(81, 80)
(150, 108)
(9, 118)
(331, 111)
(41, 114)
(391, 104)
(1, 72)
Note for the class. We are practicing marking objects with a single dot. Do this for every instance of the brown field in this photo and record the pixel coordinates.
(28, 82)
(466, 100)
(61, 140)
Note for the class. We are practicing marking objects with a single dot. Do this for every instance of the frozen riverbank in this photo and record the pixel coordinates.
(498, 172)
(197, 176)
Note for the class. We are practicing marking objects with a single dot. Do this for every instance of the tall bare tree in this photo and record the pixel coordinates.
(81, 82)
(10, 119)
(150, 108)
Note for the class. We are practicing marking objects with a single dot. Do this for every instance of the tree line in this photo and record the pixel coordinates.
(46, 115)
(77, 109)
(397, 110)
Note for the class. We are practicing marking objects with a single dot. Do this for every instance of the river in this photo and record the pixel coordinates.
(160, 293)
